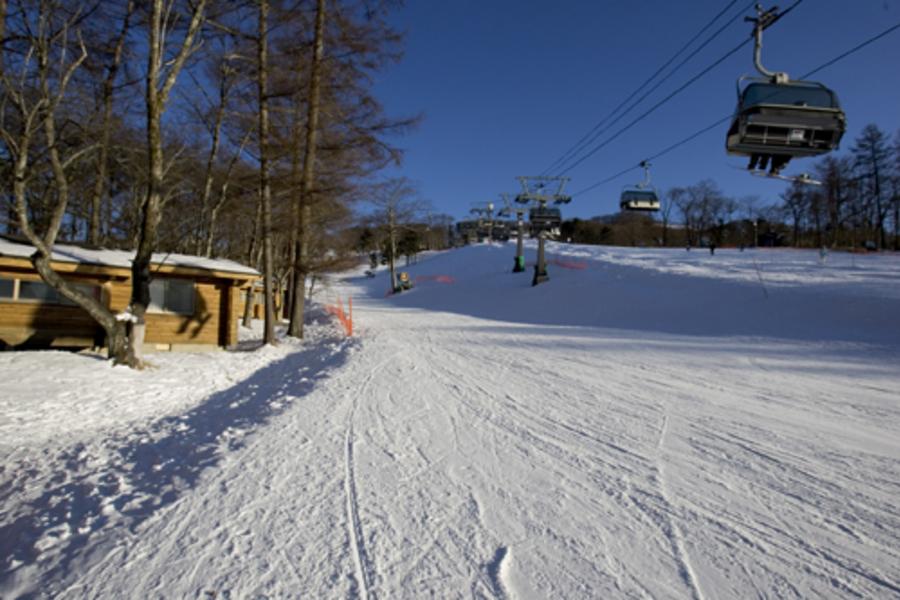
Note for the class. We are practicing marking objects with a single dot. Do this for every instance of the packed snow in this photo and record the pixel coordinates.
(653, 423)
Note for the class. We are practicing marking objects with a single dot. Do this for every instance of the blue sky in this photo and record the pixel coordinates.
(507, 86)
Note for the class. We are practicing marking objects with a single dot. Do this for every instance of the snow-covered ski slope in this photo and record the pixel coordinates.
(647, 424)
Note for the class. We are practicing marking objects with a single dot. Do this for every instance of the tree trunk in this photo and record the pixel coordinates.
(392, 234)
(879, 214)
(302, 266)
(223, 196)
(205, 207)
(253, 258)
(116, 338)
(896, 202)
(817, 223)
(293, 242)
(265, 192)
(156, 97)
(94, 233)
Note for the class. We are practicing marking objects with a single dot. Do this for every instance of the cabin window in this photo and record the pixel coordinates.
(39, 291)
(172, 296)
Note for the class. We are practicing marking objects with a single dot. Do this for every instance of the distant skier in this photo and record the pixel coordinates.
(712, 248)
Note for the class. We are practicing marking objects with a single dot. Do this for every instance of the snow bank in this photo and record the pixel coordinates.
(649, 423)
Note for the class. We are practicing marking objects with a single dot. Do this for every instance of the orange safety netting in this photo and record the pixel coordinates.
(438, 278)
(345, 318)
(570, 264)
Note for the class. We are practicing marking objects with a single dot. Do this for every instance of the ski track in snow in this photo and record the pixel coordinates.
(523, 452)
(355, 531)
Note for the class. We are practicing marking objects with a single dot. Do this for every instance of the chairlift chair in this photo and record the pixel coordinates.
(544, 219)
(777, 119)
(641, 197)
(638, 199)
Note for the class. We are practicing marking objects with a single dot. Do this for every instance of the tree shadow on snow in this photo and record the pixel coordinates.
(148, 471)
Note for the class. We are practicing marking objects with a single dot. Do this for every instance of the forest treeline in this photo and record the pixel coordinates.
(857, 206)
(243, 129)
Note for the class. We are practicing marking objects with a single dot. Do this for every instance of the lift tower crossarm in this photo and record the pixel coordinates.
(533, 189)
(485, 214)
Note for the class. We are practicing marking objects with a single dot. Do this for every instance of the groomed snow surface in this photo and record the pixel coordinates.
(647, 424)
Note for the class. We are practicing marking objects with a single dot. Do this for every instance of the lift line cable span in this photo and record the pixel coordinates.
(591, 136)
(700, 132)
(587, 139)
(674, 93)
(653, 108)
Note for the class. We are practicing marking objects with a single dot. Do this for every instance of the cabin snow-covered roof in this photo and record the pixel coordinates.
(122, 258)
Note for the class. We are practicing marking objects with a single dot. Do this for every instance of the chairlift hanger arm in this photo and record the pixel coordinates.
(764, 20)
(646, 183)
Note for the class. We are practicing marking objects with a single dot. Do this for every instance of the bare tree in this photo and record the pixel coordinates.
(216, 207)
(750, 204)
(673, 197)
(225, 75)
(162, 73)
(265, 191)
(895, 191)
(686, 204)
(835, 174)
(872, 156)
(796, 204)
(36, 87)
(106, 105)
(304, 209)
(397, 205)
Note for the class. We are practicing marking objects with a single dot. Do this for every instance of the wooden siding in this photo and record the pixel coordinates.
(202, 327)
(36, 324)
(41, 325)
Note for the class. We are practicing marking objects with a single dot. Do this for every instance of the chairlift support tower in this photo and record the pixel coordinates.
(508, 210)
(538, 191)
(485, 212)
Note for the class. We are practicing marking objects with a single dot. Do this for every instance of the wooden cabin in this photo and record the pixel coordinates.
(194, 300)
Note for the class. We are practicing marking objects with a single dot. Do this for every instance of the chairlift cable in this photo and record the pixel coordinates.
(653, 108)
(656, 86)
(782, 13)
(700, 132)
(853, 50)
(674, 93)
(590, 136)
